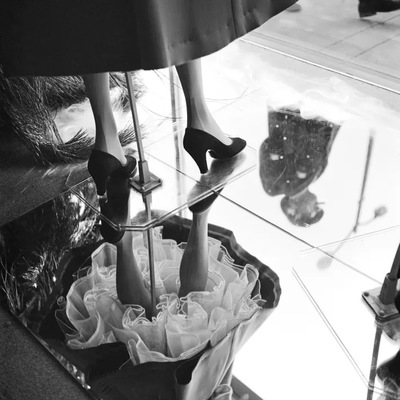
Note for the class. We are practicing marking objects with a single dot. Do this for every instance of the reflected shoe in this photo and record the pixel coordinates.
(368, 8)
(206, 203)
(294, 8)
(397, 301)
(197, 142)
(109, 233)
(217, 178)
(102, 166)
(389, 373)
(115, 208)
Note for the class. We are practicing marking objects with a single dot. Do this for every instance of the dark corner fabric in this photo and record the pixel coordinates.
(72, 37)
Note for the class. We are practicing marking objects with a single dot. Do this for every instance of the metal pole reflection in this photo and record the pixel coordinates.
(374, 361)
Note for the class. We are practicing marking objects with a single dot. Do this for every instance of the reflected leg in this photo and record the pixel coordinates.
(130, 285)
(194, 264)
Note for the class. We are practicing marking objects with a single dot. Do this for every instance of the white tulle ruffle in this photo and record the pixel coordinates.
(183, 326)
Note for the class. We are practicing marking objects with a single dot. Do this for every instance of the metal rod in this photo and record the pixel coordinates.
(150, 243)
(174, 97)
(178, 140)
(374, 362)
(145, 178)
(366, 169)
(389, 286)
(144, 172)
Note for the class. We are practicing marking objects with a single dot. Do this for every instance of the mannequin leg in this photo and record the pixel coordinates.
(194, 264)
(130, 285)
(98, 90)
(198, 114)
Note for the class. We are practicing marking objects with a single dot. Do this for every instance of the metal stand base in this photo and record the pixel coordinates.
(383, 312)
(145, 188)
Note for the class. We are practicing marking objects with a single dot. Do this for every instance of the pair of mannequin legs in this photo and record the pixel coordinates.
(194, 265)
(193, 268)
(198, 114)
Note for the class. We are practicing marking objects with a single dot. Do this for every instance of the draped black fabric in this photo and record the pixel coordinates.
(71, 37)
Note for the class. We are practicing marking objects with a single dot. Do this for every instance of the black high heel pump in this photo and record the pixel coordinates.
(220, 172)
(102, 165)
(197, 143)
(115, 207)
(206, 203)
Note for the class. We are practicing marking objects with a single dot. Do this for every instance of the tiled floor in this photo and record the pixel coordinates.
(318, 342)
(333, 28)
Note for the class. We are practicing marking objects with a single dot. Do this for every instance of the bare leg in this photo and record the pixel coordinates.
(198, 114)
(130, 285)
(194, 264)
(98, 91)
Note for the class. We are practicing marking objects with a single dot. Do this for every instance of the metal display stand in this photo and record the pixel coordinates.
(162, 191)
(145, 183)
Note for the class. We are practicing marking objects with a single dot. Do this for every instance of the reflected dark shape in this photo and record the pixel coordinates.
(115, 206)
(294, 155)
(389, 374)
(294, 8)
(29, 105)
(324, 262)
(34, 248)
(302, 209)
(380, 211)
(217, 177)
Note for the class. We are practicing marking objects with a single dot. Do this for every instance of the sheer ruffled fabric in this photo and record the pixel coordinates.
(182, 326)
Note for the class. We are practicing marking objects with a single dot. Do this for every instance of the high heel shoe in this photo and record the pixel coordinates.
(102, 165)
(220, 172)
(205, 203)
(109, 233)
(388, 373)
(115, 208)
(197, 143)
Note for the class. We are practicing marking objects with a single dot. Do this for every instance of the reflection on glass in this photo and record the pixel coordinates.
(337, 294)
(388, 373)
(294, 155)
(66, 291)
(172, 196)
(34, 250)
(50, 115)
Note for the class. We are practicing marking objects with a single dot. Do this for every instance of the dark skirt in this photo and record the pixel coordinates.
(73, 37)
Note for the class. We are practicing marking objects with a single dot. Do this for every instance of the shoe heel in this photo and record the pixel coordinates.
(200, 159)
(197, 150)
(102, 165)
(100, 175)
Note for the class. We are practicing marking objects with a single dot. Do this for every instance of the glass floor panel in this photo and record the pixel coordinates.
(335, 285)
(179, 187)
